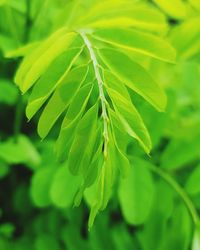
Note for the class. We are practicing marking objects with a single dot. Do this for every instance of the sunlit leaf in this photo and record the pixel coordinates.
(133, 40)
(134, 76)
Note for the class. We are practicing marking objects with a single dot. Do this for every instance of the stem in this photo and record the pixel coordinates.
(101, 91)
(189, 204)
(28, 21)
(11, 24)
(19, 107)
(18, 118)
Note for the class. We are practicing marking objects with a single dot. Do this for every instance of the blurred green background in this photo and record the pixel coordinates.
(163, 192)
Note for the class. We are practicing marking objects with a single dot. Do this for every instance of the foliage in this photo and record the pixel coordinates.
(95, 78)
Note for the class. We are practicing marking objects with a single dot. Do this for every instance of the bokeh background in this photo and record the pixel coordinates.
(164, 190)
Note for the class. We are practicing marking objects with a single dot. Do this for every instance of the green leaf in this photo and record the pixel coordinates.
(133, 40)
(156, 225)
(71, 120)
(127, 15)
(8, 92)
(180, 152)
(174, 8)
(134, 76)
(45, 242)
(22, 151)
(182, 239)
(2, 2)
(22, 51)
(119, 138)
(4, 169)
(50, 80)
(130, 119)
(64, 187)
(7, 229)
(7, 43)
(195, 4)
(196, 239)
(187, 46)
(193, 184)
(91, 161)
(136, 194)
(112, 82)
(102, 190)
(40, 186)
(37, 62)
(84, 133)
(61, 99)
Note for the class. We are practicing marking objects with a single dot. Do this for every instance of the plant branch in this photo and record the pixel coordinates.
(189, 204)
(101, 91)
(19, 107)
(28, 22)
(18, 117)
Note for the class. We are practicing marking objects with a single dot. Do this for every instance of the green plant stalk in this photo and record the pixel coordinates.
(18, 118)
(189, 204)
(19, 108)
(11, 23)
(28, 22)
(101, 91)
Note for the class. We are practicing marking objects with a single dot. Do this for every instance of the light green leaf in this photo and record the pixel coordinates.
(53, 77)
(61, 98)
(2, 2)
(22, 51)
(196, 239)
(133, 40)
(187, 46)
(102, 189)
(96, 161)
(174, 8)
(37, 62)
(100, 192)
(195, 4)
(125, 16)
(7, 43)
(92, 155)
(119, 138)
(130, 119)
(135, 77)
(112, 82)
(71, 120)
(84, 132)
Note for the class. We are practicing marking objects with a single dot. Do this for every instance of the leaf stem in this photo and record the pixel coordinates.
(101, 91)
(186, 199)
